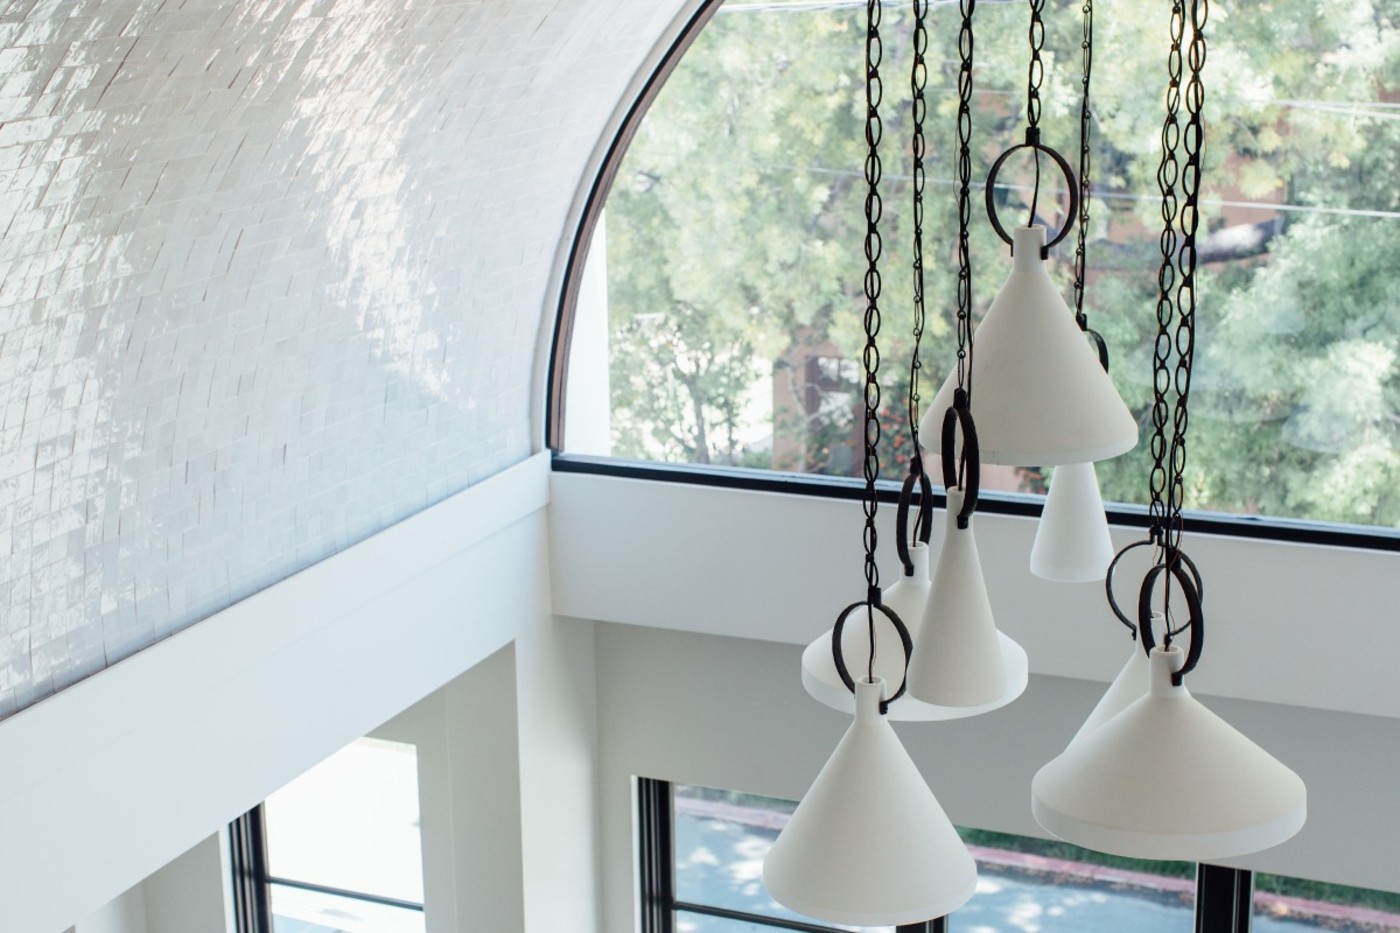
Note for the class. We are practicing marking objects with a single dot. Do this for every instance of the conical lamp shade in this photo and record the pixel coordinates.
(1127, 688)
(1038, 392)
(1168, 779)
(959, 658)
(907, 597)
(1072, 544)
(869, 845)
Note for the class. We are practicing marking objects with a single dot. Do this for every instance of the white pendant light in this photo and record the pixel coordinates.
(907, 597)
(1041, 398)
(960, 659)
(1127, 688)
(1168, 779)
(1072, 543)
(869, 845)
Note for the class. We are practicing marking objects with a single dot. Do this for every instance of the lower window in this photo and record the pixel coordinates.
(702, 852)
(337, 850)
(1292, 905)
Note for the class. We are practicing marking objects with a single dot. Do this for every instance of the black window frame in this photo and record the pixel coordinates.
(1294, 531)
(252, 881)
(1224, 896)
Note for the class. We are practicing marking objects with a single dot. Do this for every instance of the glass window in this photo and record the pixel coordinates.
(1024, 884)
(1292, 905)
(344, 851)
(721, 839)
(726, 294)
(1054, 887)
(297, 910)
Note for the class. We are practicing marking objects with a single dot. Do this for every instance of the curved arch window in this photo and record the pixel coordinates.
(723, 287)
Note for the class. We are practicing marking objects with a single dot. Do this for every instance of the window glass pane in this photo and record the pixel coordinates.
(1290, 905)
(351, 823)
(297, 911)
(730, 302)
(721, 838)
(1043, 886)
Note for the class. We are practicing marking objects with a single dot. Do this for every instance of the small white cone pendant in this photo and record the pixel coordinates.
(1072, 543)
(959, 658)
(1168, 779)
(1041, 397)
(906, 597)
(1127, 687)
(869, 844)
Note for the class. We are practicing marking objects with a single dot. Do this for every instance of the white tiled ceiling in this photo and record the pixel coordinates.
(271, 279)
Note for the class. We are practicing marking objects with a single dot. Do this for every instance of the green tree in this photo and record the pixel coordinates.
(735, 238)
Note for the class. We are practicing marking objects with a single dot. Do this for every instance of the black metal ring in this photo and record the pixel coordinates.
(1064, 166)
(1193, 607)
(923, 525)
(960, 415)
(838, 655)
(1099, 345)
(1113, 567)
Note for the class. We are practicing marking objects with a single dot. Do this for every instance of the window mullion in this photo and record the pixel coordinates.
(248, 863)
(656, 855)
(1224, 899)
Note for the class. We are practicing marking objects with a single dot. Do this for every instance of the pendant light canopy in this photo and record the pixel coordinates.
(1165, 778)
(869, 845)
(1168, 779)
(1041, 399)
(1072, 543)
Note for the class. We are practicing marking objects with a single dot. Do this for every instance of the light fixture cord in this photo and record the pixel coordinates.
(870, 357)
(1086, 46)
(1176, 283)
(1035, 76)
(966, 48)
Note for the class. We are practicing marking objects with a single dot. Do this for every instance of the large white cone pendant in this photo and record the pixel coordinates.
(960, 659)
(1039, 394)
(1072, 544)
(1168, 779)
(869, 845)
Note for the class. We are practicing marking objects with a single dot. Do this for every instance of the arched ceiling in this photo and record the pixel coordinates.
(272, 278)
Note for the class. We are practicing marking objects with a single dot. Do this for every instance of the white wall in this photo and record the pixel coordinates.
(1287, 623)
(466, 735)
(189, 895)
(114, 777)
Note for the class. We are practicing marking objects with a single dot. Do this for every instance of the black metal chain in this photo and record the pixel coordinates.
(1176, 298)
(1085, 129)
(1168, 173)
(870, 358)
(964, 287)
(1035, 76)
(918, 81)
(1193, 140)
(1035, 71)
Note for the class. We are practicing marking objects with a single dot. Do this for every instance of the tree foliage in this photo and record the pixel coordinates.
(735, 226)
